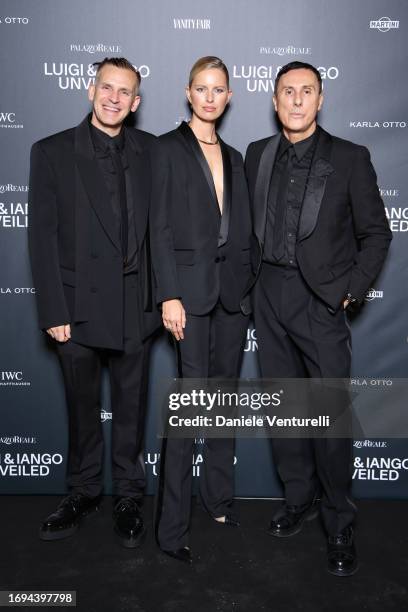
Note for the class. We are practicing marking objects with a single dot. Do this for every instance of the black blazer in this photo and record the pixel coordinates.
(343, 234)
(75, 255)
(198, 255)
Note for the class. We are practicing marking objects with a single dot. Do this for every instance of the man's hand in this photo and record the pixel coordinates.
(61, 333)
(174, 318)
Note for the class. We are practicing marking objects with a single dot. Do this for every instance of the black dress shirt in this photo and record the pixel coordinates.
(101, 142)
(286, 193)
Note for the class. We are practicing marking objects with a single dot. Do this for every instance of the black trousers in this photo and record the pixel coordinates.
(212, 347)
(299, 338)
(128, 370)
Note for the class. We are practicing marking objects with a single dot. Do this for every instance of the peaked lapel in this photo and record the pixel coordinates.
(320, 169)
(93, 181)
(227, 194)
(263, 180)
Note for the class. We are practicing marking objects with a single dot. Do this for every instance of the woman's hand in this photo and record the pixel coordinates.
(174, 318)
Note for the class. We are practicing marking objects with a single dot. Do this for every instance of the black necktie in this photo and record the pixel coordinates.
(117, 164)
(278, 249)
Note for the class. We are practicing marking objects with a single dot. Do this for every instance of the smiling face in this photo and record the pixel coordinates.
(114, 96)
(208, 94)
(297, 102)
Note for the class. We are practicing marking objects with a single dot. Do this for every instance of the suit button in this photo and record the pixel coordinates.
(223, 258)
(217, 259)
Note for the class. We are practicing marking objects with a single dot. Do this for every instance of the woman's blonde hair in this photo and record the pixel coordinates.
(205, 63)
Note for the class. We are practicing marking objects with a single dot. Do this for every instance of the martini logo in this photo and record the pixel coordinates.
(372, 294)
(384, 24)
(105, 416)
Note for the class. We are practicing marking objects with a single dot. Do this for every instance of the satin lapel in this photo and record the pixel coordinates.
(227, 194)
(93, 181)
(140, 172)
(263, 180)
(189, 137)
(319, 172)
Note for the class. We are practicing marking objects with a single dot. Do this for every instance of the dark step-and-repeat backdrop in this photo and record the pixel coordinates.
(47, 51)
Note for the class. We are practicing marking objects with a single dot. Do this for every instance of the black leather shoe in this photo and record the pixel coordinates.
(230, 521)
(128, 522)
(341, 553)
(65, 520)
(290, 521)
(181, 554)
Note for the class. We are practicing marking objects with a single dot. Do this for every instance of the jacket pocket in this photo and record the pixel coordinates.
(184, 257)
(67, 276)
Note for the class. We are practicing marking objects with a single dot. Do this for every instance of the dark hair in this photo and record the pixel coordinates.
(298, 66)
(204, 63)
(118, 62)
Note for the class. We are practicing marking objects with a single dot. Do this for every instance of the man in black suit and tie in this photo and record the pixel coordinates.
(89, 199)
(322, 238)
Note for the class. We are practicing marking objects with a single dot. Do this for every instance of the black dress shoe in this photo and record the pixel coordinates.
(65, 520)
(181, 554)
(128, 522)
(341, 553)
(290, 521)
(230, 521)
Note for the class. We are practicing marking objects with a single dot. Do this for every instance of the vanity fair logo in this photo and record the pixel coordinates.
(379, 468)
(32, 465)
(13, 379)
(384, 24)
(378, 124)
(15, 20)
(9, 120)
(13, 439)
(188, 23)
(74, 76)
(251, 344)
(262, 78)
(288, 50)
(14, 214)
(94, 48)
(372, 294)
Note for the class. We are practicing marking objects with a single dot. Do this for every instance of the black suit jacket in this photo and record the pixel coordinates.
(343, 234)
(75, 254)
(198, 255)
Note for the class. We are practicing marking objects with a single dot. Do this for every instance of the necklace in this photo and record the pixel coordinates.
(208, 143)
